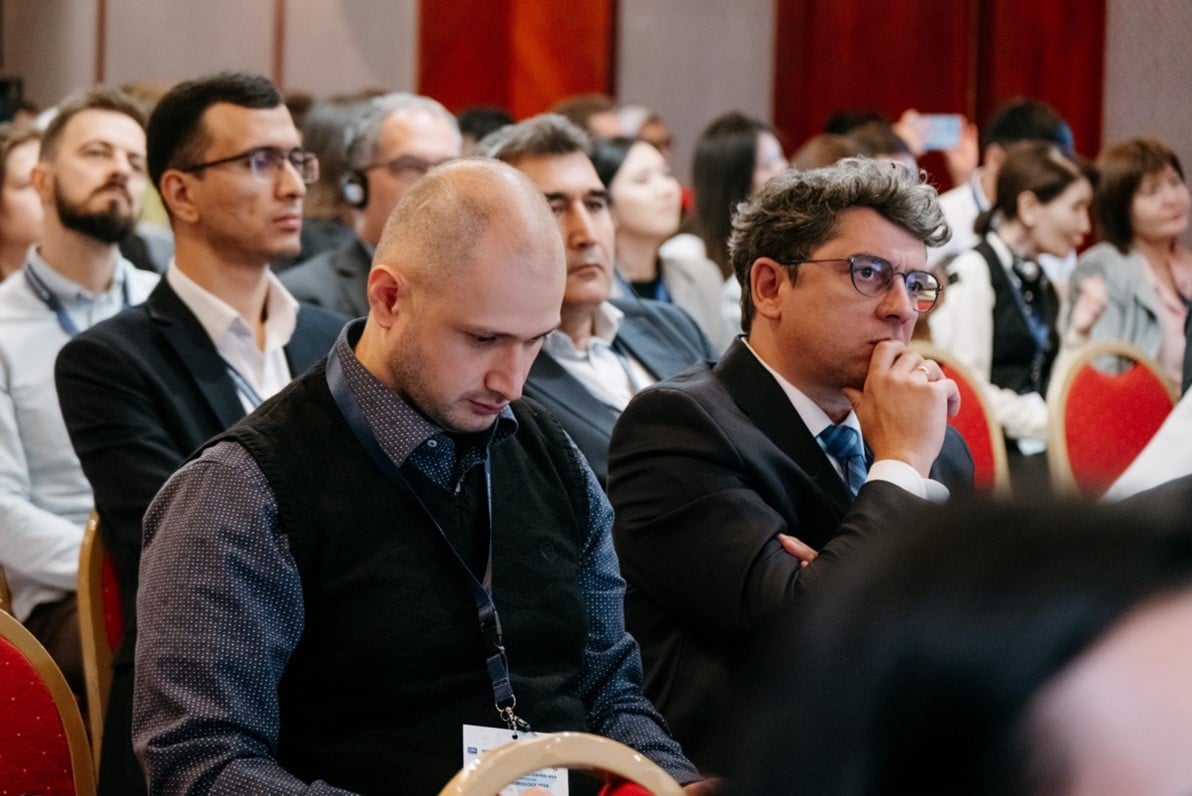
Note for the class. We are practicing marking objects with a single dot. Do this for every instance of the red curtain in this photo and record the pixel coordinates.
(1054, 51)
(938, 56)
(519, 55)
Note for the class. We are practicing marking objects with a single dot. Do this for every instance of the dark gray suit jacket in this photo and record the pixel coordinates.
(336, 279)
(662, 337)
(704, 470)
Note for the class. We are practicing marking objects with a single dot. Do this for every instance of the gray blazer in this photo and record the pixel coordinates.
(336, 279)
(1132, 314)
(662, 337)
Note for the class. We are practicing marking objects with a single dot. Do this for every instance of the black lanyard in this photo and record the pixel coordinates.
(490, 623)
(46, 296)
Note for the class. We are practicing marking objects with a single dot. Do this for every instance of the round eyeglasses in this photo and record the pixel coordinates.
(873, 276)
(267, 162)
(406, 164)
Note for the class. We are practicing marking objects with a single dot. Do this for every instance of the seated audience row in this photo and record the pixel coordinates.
(249, 455)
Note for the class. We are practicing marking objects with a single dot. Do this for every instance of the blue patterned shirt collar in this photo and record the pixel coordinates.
(402, 431)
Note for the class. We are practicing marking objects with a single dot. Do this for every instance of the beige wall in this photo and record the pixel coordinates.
(692, 60)
(171, 40)
(688, 59)
(1148, 74)
(51, 45)
(335, 48)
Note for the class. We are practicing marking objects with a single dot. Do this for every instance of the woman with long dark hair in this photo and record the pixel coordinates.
(645, 205)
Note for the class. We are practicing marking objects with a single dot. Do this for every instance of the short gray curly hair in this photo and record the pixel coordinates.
(798, 211)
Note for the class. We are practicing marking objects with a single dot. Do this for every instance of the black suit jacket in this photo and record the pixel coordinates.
(704, 470)
(336, 279)
(140, 392)
(662, 337)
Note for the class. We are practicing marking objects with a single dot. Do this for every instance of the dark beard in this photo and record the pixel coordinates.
(109, 226)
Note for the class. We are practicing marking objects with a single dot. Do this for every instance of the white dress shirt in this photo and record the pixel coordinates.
(612, 376)
(258, 373)
(44, 497)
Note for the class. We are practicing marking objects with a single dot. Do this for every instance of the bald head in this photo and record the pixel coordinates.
(466, 284)
(434, 231)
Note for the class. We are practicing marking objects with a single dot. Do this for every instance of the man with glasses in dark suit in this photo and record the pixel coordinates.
(811, 435)
(218, 335)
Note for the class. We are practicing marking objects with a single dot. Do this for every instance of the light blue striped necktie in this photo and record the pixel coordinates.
(843, 444)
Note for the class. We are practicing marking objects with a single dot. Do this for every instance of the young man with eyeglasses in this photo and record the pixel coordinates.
(217, 336)
(396, 139)
(737, 489)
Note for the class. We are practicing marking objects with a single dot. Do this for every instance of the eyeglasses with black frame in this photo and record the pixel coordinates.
(873, 276)
(267, 162)
(406, 163)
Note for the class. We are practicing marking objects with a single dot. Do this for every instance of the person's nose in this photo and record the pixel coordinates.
(508, 371)
(580, 227)
(897, 303)
(290, 181)
(121, 165)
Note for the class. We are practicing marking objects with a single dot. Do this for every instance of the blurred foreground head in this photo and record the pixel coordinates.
(996, 650)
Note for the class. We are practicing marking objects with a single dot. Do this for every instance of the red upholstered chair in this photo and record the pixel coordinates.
(101, 626)
(623, 767)
(43, 745)
(1103, 410)
(976, 424)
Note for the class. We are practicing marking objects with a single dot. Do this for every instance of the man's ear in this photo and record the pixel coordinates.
(388, 293)
(766, 277)
(42, 181)
(177, 195)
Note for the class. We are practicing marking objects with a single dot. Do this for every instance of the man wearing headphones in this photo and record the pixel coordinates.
(396, 140)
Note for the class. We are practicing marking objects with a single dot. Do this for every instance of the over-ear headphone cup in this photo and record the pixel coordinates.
(354, 187)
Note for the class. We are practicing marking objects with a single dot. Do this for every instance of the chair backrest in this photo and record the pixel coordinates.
(500, 767)
(5, 598)
(976, 423)
(101, 626)
(43, 745)
(1102, 411)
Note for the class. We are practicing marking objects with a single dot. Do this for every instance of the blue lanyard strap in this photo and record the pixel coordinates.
(47, 297)
(496, 661)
